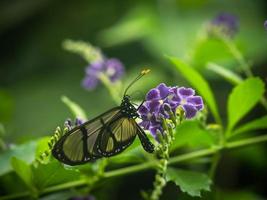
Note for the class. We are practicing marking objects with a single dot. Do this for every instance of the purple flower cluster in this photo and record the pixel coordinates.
(162, 100)
(227, 23)
(265, 24)
(69, 125)
(112, 68)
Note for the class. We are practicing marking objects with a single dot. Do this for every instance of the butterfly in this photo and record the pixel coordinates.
(103, 136)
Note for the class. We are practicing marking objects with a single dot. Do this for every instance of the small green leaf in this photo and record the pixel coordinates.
(25, 152)
(189, 181)
(76, 110)
(53, 173)
(23, 170)
(260, 123)
(198, 82)
(225, 73)
(191, 133)
(242, 99)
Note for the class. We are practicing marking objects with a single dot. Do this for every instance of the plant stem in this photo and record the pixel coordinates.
(245, 142)
(113, 91)
(245, 66)
(145, 166)
(215, 160)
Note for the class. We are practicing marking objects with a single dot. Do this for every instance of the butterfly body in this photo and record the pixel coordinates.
(127, 109)
(106, 135)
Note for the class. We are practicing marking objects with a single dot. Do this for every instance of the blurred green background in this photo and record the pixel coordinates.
(35, 70)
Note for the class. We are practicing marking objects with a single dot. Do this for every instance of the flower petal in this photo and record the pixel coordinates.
(90, 82)
(94, 68)
(143, 110)
(153, 129)
(185, 92)
(163, 90)
(114, 69)
(145, 124)
(196, 101)
(79, 121)
(153, 94)
(190, 111)
(153, 106)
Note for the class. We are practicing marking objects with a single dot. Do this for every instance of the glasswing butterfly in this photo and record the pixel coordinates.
(106, 135)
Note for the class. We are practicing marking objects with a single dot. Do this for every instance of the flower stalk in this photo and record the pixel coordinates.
(162, 152)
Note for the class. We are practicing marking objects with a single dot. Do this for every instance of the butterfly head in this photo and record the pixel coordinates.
(127, 107)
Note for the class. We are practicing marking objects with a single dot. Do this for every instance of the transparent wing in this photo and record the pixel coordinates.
(116, 136)
(79, 144)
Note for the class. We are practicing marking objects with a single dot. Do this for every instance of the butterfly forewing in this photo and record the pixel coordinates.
(79, 144)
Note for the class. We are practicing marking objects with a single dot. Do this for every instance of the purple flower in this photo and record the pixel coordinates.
(112, 68)
(162, 101)
(69, 125)
(265, 24)
(227, 23)
(186, 99)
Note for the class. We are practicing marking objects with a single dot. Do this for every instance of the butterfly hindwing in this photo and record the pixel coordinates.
(79, 145)
(117, 136)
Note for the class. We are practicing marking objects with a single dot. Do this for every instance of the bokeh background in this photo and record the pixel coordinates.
(36, 71)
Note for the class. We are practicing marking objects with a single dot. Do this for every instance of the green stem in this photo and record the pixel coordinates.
(245, 66)
(237, 55)
(147, 165)
(215, 161)
(245, 142)
(113, 90)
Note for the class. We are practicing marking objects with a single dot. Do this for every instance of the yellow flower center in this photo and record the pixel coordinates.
(183, 101)
(149, 115)
(111, 71)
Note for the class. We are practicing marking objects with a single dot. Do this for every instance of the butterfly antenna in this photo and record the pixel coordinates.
(143, 72)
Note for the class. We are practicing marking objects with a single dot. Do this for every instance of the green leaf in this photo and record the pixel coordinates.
(189, 181)
(198, 82)
(204, 52)
(42, 146)
(230, 76)
(76, 110)
(23, 170)
(53, 173)
(242, 99)
(191, 133)
(43, 149)
(260, 123)
(25, 152)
